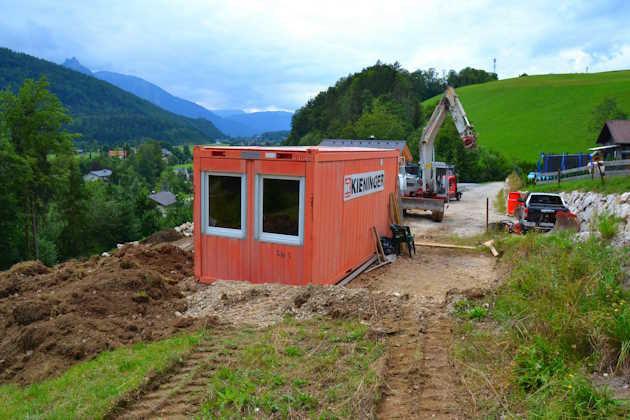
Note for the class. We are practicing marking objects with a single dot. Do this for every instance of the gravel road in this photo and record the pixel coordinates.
(463, 218)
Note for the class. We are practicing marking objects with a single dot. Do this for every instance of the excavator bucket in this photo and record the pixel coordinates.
(470, 142)
(566, 221)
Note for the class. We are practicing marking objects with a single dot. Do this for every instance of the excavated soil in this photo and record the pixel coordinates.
(166, 235)
(242, 303)
(51, 318)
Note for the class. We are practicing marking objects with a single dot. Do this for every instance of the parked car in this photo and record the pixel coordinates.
(540, 211)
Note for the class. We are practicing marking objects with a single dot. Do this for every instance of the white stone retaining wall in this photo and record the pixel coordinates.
(588, 204)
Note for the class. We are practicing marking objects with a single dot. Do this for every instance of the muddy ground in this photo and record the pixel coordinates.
(50, 318)
(421, 379)
(241, 303)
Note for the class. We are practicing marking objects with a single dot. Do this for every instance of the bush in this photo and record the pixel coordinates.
(514, 182)
(500, 201)
(562, 312)
(607, 225)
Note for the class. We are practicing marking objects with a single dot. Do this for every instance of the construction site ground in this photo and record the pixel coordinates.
(55, 317)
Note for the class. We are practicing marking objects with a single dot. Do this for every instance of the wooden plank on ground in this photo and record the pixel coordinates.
(356, 272)
(440, 245)
(490, 245)
(379, 247)
(379, 265)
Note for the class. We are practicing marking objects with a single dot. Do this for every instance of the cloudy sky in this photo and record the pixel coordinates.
(277, 54)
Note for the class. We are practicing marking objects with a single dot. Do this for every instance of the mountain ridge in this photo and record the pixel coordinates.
(235, 123)
(102, 112)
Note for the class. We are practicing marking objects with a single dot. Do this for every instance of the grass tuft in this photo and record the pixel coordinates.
(607, 225)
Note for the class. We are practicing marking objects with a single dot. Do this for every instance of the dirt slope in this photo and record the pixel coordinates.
(50, 318)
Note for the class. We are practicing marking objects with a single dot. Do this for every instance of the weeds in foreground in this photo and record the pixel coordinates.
(560, 315)
(607, 225)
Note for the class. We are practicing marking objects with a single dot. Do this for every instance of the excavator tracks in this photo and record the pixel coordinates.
(179, 394)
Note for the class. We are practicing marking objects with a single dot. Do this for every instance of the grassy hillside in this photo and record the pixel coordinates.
(101, 111)
(525, 116)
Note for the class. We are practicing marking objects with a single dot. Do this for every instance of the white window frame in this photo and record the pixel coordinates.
(258, 218)
(205, 207)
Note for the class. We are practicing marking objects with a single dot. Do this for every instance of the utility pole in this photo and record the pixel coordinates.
(494, 65)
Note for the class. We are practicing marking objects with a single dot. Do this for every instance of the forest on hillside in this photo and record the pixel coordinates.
(385, 101)
(101, 112)
(50, 212)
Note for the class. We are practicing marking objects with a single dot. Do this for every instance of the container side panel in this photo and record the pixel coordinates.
(342, 230)
(327, 221)
(362, 213)
(197, 211)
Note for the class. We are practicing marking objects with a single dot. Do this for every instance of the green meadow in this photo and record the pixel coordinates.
(524, 116)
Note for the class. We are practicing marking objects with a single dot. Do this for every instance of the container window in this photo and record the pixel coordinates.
(224, 204)
(280, 209)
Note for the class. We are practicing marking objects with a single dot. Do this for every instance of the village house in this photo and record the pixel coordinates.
(120, 154)
(164, 199)
(100, 175)
(166, 153)
(614, 139)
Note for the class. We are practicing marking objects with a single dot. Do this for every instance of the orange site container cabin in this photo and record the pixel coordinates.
(292, 215)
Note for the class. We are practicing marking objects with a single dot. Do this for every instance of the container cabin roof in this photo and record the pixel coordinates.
(401, 145)
(297, 148)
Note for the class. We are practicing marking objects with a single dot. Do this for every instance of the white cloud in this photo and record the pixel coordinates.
(252, 54)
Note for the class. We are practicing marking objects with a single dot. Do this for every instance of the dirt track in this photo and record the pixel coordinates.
(421, 380)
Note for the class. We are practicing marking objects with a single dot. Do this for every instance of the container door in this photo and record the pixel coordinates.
(224, 225)
(278, 221)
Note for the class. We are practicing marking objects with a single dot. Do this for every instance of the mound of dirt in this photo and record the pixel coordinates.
(242, 303)
(166, 235)
(52, 317)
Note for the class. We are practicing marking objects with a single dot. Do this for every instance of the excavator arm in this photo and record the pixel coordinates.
(449, 103)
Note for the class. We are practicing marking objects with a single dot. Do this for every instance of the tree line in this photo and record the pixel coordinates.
(385, 101)
(48, 211)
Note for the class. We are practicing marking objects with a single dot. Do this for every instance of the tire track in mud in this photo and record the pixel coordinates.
(178, 394)
(420, 379)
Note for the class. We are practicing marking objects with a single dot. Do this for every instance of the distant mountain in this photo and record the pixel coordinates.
(73, 63)
(158, 96)
(100, 111)
(227, 112)
(233, 122)
(264, 121)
